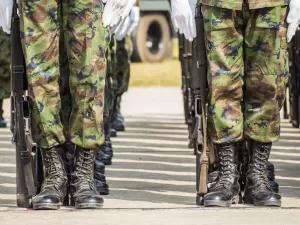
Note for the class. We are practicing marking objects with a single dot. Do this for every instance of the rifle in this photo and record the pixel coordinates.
(20, 123)
(205, 157)
(187, 93)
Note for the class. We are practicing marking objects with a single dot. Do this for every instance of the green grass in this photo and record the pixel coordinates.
(164, 74)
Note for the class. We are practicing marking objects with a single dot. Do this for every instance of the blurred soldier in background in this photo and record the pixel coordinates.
(4, 73)
(117, 82)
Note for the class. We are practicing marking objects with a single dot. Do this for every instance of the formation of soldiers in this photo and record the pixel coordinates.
(235, 71)
(81, 141)
(233, 95)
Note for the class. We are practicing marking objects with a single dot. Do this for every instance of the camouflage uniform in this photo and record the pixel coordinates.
(4, 66)
(123, 54)
(246, 93)
(86, 48)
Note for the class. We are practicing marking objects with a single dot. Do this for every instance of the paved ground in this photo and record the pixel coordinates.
(152, 179)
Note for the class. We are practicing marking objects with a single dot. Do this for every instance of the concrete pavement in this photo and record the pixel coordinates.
(152, 179)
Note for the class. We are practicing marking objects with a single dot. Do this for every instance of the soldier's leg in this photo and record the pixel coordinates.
(266, 76)
(86, 41)
(122, 68)
(4, 73)
(105, 152)
(40, 45)
(224, 33)
(114, 85)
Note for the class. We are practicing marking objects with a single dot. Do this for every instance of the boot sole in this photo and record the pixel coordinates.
(46, 206)
(103, 191)
(88, 206)
(107, 162)
(268, 203)
(263, 203)
(213, 203)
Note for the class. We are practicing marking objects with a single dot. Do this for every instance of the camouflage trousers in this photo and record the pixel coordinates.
(247, 74)
(118, 72)
(109, 85)
(4, 65)
(123, 54)
(86, 42)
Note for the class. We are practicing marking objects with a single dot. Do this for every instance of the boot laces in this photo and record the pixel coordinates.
(85, 167)
(226, 168)
(53, 168)
(259, 167)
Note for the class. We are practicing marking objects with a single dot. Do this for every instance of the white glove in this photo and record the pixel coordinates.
(293, 19)
(128, 25)
(115, 11)
(175, 25)
(6, 7)
(183, 14)
(122, 28)
(134, 17)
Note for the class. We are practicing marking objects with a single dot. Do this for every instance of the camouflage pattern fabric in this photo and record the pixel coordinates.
(237, 4)
(123, 54)
(247, 74)
(111, 77)
(109, 90)
(86, 42)
(4, 65)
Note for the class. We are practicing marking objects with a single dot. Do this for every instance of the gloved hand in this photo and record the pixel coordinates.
(175, 25)
(116, 11)
(134, 17)
(293, 19)
(128, 25)
(183, 14)
(6, 7)
(121, 29)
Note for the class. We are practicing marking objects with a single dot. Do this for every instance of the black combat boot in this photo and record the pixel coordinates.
(117, 124)
(99, 177)
(244, 159)
(83, 191)
(271, 177)
(227, 189)
(258, 190)
(107, 147)
(2, 121)
(112, 132)
(103, 155)
(119, 116)
(54, 187)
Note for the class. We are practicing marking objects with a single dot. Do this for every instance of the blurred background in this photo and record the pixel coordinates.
(155, 47)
